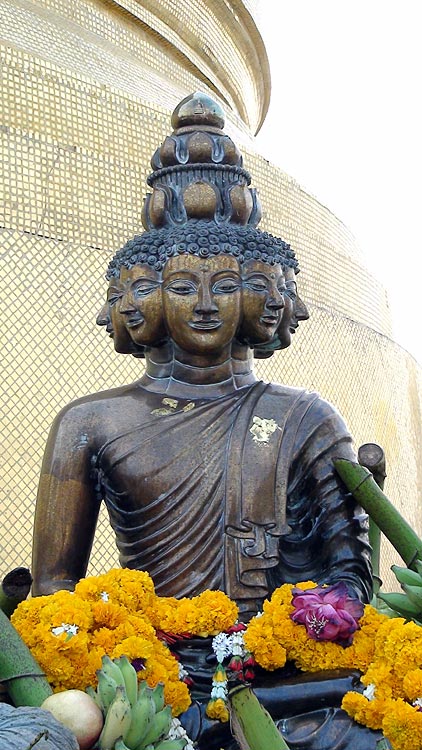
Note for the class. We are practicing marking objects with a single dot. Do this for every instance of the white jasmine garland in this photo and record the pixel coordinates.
(369, 692)
(65, 628)
(183, 673)
(177, 732)
(222, 646)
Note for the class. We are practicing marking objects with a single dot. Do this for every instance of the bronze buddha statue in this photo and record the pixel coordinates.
(212, 478)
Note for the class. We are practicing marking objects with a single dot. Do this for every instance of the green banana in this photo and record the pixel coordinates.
(159, 729)
(106, 689)
(418, 566)
(415, 595)
(157, 694)
(178, 744)
(405, 575)
(120, 745)
(117, 720)
(175, 744)
(142, 688)
(130, 678)
(143, 713)
(94, 694)
(112, 669)
(400, 603)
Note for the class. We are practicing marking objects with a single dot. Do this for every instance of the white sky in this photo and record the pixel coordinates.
(346, 115)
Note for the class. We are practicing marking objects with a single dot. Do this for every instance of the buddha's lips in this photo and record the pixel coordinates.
(134, 321)
(205, 325)
(270, 319)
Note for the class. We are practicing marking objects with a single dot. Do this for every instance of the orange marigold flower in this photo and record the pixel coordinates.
(402, 725)
(217, 709)
(412, 684)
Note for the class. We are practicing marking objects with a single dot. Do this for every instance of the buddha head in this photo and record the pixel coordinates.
(109, 317)
(206, 299)
(294, 311)
(201, 302)
(263, 288)
(221, 277)
(140, 307)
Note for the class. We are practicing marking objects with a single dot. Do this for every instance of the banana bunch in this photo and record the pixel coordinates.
(409, 604)
(136, 717)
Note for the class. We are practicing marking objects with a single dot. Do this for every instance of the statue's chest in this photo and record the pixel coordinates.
(170, 452)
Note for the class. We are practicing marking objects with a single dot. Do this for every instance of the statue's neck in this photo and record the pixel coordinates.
(180, 374)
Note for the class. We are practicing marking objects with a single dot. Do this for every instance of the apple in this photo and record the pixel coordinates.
(79, 713)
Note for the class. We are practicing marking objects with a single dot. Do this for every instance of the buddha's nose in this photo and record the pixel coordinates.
(126, 305)
(103, 316)
(301, 311)
(206, 303)
(275, 300)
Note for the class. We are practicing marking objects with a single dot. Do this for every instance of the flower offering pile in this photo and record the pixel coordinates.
(315, 627)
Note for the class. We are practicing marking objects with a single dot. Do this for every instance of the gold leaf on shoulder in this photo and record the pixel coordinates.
(189, 406)
(171, 402)
(262, 429)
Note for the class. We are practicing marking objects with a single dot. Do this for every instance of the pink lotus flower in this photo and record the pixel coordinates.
(328, 613)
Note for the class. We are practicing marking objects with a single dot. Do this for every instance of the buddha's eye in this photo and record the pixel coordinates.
(291, 290)
(113, 297)
(182, 286)
(225, 286)
(142, 289)
(256, 285)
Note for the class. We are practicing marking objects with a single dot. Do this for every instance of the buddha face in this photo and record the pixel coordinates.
(284, 332)
(300, 312)
(110, 317)
(201, 302)
(141, 305)
(263, 290)
(104, 317)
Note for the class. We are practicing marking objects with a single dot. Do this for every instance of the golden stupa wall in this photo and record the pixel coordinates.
(87, 90)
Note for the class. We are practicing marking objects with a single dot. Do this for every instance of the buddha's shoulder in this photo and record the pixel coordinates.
(298, 399)
(103, 404)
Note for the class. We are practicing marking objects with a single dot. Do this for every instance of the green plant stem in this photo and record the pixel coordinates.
(21, 674)
(361, 484)
(14, 588)
(253, 726)
(375, 542)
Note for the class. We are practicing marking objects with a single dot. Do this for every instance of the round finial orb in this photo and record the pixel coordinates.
(197, 109)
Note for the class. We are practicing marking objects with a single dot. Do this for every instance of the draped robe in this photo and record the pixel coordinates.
(239, 493)
(201, 499)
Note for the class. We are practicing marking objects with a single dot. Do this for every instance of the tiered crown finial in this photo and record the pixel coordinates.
(198, 171)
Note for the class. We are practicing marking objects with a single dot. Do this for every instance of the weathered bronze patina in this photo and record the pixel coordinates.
(212, 479)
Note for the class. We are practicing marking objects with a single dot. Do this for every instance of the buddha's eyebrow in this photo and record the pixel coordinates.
(186, 271)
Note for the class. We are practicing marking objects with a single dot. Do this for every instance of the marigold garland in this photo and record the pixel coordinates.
(387, 651)
(119, 613)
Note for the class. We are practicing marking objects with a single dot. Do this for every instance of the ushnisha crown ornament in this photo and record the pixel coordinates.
(198, 172)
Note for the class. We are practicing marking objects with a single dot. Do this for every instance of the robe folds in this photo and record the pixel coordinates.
(236, 493)
(239, 493)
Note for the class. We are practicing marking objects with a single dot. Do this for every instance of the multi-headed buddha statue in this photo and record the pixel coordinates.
(212, 478)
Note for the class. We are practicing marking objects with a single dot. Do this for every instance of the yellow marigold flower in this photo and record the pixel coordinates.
(108, 614)
(95, 655)
(402, 725)
(178, 696)
(217, 709)
(364, 711)
(412, 684)
(134, 647)
(133, 589)
(104, 639)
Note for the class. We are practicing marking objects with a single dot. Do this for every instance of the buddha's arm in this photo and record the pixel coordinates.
(330, 540)
(67, 509)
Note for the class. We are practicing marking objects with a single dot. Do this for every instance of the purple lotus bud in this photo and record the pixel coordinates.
(328, 613)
